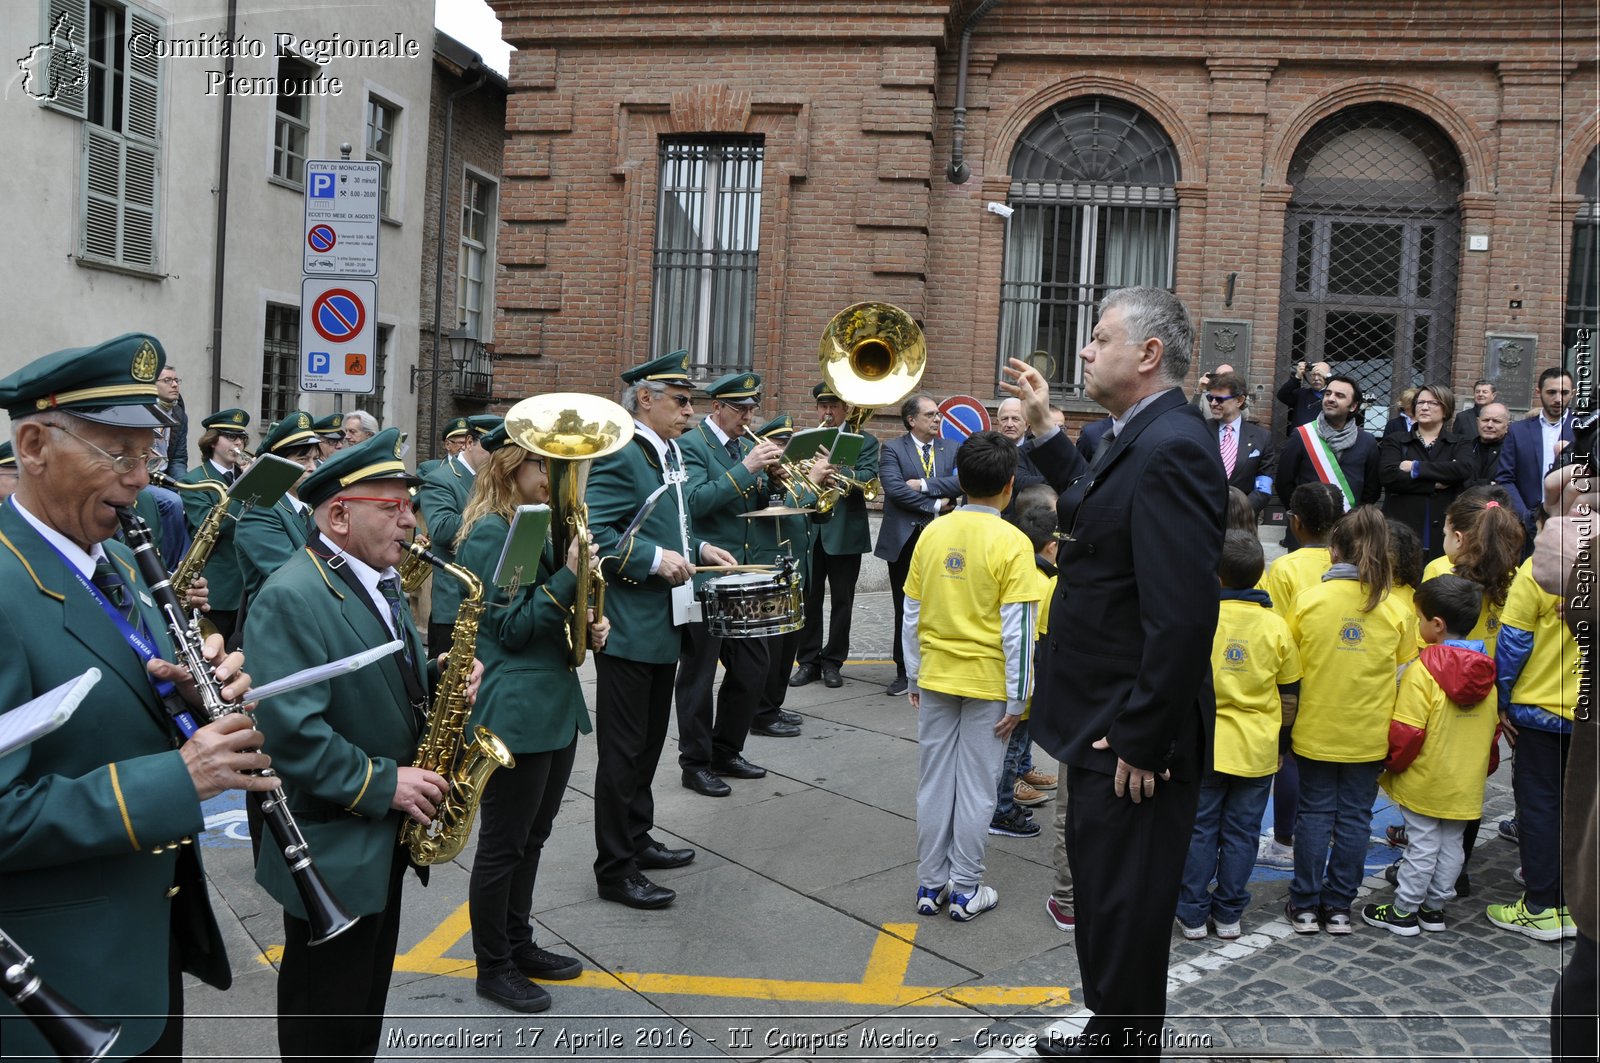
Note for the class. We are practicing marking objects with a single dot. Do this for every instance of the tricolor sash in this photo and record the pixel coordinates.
(1325, 462)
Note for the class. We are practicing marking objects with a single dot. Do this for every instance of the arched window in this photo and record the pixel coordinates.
(1371, 252)
(1583, 277)
(1095, 208)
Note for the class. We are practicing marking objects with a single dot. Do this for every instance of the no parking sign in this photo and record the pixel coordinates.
(338, 334)
(960, 416)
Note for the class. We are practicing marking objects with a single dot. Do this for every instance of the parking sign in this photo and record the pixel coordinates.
(340, 237)
(338, 334)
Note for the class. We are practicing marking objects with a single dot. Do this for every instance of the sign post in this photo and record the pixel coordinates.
(339, 292)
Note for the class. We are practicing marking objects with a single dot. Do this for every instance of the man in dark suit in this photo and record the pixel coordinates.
(1533, 443)
(1124, 697)
(1483, 393)
(1483, 453)
(1248, 456)
(1090, 435)
(911, 464)
(1336, 431)
(95, 816)
(1302, 392)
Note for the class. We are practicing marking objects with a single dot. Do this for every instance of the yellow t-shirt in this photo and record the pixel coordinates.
(1252, 655)
(1549, 679)
(1488, 625)
(1293, 573)
(966, 565)
(1349, 658)
(1446, 780)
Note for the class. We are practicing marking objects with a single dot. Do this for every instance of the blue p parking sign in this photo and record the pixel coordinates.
(322, 185)
(318, 362)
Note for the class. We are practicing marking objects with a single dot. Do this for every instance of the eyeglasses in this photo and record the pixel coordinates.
(1218, 400)
(1425, 402)
(681, 400)
(400, 505)
(169, 380)
(123, 464)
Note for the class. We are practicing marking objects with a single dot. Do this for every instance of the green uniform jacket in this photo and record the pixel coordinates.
(848, 531)
(639, 604)
(530, 697)
(720, 490)
(442, 499)
(793, 535)
(224, 582)
(339, 744)
(265, 540)
(84, 809)
(426, 468)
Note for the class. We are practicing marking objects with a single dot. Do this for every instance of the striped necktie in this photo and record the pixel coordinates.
(1230, 448)
(110, 584)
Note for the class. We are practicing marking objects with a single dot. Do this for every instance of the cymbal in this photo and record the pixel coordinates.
(777, 511)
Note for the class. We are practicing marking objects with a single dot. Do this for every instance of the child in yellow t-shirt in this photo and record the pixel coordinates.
(1254, 665)
(1353, 635)
(971, 595)
(1439, 742)
(1483, 543)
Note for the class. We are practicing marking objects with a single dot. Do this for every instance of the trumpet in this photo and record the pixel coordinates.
(569, 430)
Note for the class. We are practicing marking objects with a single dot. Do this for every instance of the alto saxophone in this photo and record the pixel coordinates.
(205, 536)
(465, 766)
(414, 571)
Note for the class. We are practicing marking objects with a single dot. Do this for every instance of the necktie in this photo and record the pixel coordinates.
(110, 584)
(1230, 449)
(733, 450)
(927, 459)
(1102, 453)
(389, 587)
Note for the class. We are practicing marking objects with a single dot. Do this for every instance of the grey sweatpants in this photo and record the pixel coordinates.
(961, 758)
(1432, 861)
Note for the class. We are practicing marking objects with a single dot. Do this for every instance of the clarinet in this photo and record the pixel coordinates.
(327, 917)
(72, 1034)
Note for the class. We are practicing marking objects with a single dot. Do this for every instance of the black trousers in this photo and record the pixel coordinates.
(632, 707)
(1127, 864)
(899, 569)
(1574, 1006)
(703, 739)
(780, 662)
(331, 996)
(514, 821)
(835, 574)
(169, 1045)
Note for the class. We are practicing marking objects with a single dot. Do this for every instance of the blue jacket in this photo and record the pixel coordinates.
(1523, 462)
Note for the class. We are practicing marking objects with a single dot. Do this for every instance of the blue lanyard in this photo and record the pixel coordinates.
(139, 640)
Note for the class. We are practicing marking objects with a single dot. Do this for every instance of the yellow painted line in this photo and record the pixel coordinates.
(882, 984)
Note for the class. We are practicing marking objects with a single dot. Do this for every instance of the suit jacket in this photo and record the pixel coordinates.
(1483, 459)
(1465, 426)
(338, 745)
(720, 490)
(1128, 652)
(1359, 463)
(84, 809)
(848, 532)
(905, 510)
(1257, 458)
(530, 695)
(1523, 461)
(441, 499)
(224, 582)
(638, 603)
(265, 540)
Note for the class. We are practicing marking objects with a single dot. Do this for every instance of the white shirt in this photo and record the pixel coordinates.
(662, 447)
(1119, 423)
(368, 577)
(1549, 434)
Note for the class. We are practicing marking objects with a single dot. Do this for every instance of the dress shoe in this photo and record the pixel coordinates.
(775, 729)
(738, 768)
(535, 962)
(898, 687)
(1064, 1048)
(831, 677)
(636, 891)
(806, 673)
(701, 781)
(506, 986)
(657, 856)
(790, 717)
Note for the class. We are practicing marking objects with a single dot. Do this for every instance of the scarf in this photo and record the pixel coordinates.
(1342, 570)
(1339, 440)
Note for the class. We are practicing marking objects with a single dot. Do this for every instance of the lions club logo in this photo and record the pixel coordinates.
(955, 562)
(1236, 654)
(1351, 633)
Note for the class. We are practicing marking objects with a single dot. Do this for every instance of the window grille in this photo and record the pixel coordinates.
(280, 363)
(1583, 276)
(707, 239)
(373, 403)
(1093, 190)
(1371, 253)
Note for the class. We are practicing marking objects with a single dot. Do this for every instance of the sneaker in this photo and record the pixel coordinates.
(1027, 796)
(1569, 929)
(1039, 780)
(965, 908)
(1337, 921)
(931, 901)
(1014, 824)
(1396, 836)
(1541, 926)
(1508, 830)
(1431, 919)
(1060, 915)
(1389, 917)
(1272, 854)
(1227, 931)
(899, 686)
(506, 986)
(1193, 933)
(535, 962)
(1302, 920)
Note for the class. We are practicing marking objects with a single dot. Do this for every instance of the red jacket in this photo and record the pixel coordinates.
(1465, 675)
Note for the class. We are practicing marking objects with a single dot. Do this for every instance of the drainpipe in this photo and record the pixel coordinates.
(444, 222)
(959, 170)
(220, 263)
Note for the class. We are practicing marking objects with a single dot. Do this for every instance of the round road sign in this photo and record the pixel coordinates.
(338, 315)
(960, 416)
(322, 238)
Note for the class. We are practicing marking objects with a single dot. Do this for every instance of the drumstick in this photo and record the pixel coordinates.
(735, 568)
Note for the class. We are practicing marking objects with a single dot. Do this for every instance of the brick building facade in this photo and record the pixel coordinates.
(726, 176)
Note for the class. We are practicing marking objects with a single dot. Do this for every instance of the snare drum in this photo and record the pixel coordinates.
(752, 605)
